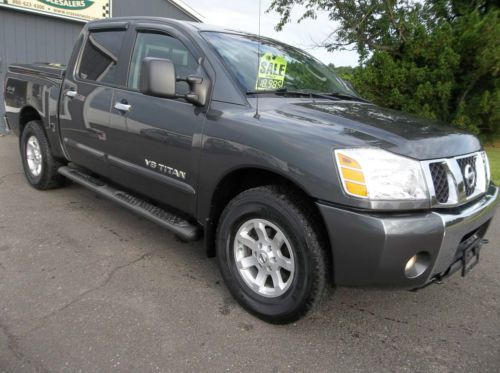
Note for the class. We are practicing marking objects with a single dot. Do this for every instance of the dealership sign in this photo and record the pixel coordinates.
(82, 10)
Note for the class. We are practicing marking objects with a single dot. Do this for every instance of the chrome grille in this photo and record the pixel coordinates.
(463, 163)
(454, 181)
(440, 181)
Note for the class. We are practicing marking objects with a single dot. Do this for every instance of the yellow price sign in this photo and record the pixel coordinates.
(272, 71)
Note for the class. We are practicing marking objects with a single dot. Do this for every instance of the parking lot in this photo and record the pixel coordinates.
(87, 286)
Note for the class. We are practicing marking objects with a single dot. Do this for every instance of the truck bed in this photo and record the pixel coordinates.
(32, 92)
(49, 70)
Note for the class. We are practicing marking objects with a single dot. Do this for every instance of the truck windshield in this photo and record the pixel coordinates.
(274, 66)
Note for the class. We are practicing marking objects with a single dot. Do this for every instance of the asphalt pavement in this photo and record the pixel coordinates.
(86, 286)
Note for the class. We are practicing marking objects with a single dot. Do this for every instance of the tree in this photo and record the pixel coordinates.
(437, 58)
(345, 72)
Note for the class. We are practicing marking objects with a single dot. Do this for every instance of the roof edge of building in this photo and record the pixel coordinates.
(183, 7)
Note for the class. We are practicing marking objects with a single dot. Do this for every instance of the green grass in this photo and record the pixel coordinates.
(494, 157)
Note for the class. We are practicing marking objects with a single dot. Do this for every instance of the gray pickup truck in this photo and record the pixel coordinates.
(293, 180)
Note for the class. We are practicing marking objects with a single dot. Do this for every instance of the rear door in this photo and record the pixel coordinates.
(87, 96)
(161, 145)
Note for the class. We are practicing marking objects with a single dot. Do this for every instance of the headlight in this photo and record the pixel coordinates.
(377, 174)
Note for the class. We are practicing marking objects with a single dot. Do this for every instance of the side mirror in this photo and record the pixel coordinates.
(199, 87)
(158, 78)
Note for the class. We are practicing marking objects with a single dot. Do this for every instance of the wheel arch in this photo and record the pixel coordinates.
(238, 180)
(27, 114)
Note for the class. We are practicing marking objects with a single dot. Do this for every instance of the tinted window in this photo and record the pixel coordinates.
(100, 56)
(161, 46)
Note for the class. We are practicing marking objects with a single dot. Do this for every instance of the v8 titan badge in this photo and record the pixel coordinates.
(271, 74)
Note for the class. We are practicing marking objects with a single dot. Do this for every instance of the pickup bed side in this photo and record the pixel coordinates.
(32, 93)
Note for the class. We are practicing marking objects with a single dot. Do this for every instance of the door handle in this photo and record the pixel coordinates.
(71, 94)
(124, 108)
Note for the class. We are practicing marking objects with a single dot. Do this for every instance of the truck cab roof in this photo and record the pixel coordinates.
(187, 25)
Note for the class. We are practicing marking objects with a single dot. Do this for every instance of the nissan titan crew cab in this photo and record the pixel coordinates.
(293, 180)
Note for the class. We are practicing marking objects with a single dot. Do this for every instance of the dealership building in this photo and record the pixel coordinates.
(45, 30)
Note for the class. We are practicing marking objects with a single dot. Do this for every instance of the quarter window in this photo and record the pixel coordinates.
(100, 56)
(166, 47)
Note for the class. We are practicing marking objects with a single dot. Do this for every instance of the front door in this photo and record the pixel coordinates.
(162, 139)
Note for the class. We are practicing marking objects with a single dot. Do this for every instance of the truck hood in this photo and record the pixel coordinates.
(358, 124)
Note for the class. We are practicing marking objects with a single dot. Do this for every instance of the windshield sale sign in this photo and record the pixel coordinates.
(271, 73)
(82, 10)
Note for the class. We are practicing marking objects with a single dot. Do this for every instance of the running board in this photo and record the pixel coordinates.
(174, 223)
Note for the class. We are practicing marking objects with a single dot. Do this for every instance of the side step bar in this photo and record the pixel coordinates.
(174, 223)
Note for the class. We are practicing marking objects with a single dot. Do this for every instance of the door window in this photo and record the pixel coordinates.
(100, 56)
(162, 46)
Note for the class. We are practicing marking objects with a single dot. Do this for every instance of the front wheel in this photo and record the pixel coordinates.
(269, 254)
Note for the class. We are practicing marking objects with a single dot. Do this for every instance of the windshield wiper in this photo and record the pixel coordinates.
(298, 92)
(274, 91)
(312, 93)
(309, 93)
(346, 96)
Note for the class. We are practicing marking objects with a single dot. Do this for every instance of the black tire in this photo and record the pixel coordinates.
(48, 178)
(290, 212)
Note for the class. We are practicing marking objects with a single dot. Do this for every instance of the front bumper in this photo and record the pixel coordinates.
(372, 249)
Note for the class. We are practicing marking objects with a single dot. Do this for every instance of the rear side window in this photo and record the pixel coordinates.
(162, 46)
(100, 56)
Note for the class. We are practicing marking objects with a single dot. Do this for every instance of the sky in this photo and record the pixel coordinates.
(243, 15)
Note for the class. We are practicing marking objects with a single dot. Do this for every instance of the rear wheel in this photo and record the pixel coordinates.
(269, 254)
(40, 167)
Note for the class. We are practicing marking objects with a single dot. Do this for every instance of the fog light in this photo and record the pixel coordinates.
(417, 265)
(411, 263)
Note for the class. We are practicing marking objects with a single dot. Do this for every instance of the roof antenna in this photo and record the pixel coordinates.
(257, 115)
